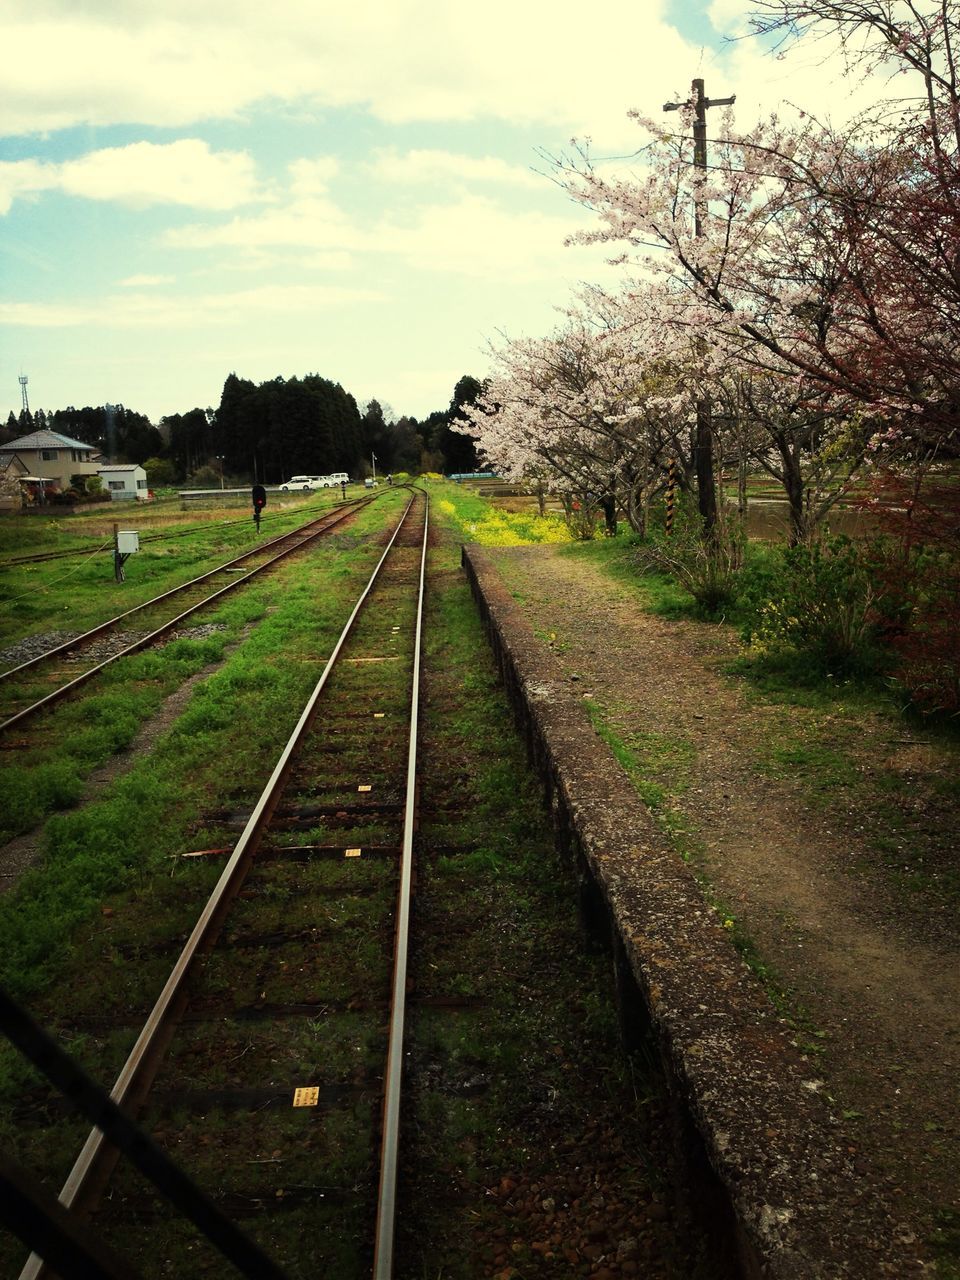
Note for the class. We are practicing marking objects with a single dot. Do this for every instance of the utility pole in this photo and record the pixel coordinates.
(703, 448)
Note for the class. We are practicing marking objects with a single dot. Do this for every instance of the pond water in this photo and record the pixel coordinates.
(769, 518)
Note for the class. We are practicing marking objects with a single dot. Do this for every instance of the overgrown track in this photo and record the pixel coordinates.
(26, 689)
(106, 548)
(288, 999)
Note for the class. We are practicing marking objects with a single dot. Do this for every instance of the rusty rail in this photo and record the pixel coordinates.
(145, 641)
(97, 1157)
(393, 1080)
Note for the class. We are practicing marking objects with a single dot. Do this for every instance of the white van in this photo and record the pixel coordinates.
(337, 477)
(304, 483)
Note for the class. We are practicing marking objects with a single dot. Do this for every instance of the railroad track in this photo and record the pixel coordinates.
(36, 684)
(106, 548)
(277, 1041)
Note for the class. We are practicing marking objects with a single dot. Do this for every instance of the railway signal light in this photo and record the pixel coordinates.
(259, 495)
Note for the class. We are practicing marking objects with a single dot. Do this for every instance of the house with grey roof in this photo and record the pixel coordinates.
(55, 458)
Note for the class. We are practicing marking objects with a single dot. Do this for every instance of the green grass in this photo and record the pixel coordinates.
(233, 726)
(617, 558)
(823, 768)
(946, 1243)
(658, 767)
(644, 755)
(75, 594)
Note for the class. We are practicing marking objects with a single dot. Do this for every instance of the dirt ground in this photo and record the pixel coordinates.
(869, 968)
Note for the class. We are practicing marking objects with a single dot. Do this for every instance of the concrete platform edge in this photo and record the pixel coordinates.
(794, 1183)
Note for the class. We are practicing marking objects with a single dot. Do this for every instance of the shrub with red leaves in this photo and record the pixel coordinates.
(921, 572)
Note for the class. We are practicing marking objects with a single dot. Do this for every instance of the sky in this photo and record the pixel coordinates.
(308, 186)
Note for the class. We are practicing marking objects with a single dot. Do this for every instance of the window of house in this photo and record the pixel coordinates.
(115, 484)
(141, 484)
(49, 455)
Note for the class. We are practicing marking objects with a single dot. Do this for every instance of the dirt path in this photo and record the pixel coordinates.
(878, 986)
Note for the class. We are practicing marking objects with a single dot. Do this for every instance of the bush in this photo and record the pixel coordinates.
(708, 569)
(824, 608)
(204, 477)
(581, 512)
(920, 572)
(924, 629)
(160, 471)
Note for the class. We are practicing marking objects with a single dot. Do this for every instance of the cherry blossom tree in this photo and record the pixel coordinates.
(830, 256)
(587, 413)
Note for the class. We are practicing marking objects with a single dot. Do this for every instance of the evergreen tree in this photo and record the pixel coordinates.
(407, 445)
(376, 438)
(236, 428)
(189, 440)
(457, 451)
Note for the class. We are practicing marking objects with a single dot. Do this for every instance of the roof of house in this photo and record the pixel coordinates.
(49, 440)
(125, 466)
(8, 458)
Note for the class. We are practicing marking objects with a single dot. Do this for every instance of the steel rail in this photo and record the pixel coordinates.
(393, 1079)
(141, 1065)
(145, 641)
(69, 1246)
(101, 627)
(65, 553)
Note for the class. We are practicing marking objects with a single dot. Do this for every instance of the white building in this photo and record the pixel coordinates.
(127, 481)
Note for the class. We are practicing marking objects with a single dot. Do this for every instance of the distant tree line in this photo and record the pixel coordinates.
(268, 432)
(119, 433)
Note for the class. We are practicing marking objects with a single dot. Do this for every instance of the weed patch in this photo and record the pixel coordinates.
(478, 521)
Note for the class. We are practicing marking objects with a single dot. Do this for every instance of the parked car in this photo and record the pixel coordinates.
(337, 478)
(370, 483)
(304, 483)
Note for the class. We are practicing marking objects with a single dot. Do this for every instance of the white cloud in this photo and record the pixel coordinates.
(312, 224)
(185, 172)
(144, 281)
(336, 260)
(431, 166)
(477, 237)
(24, 178)
(729, 17)
(473, 235)
(170, 63)
(150, 311)
(310, 178)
